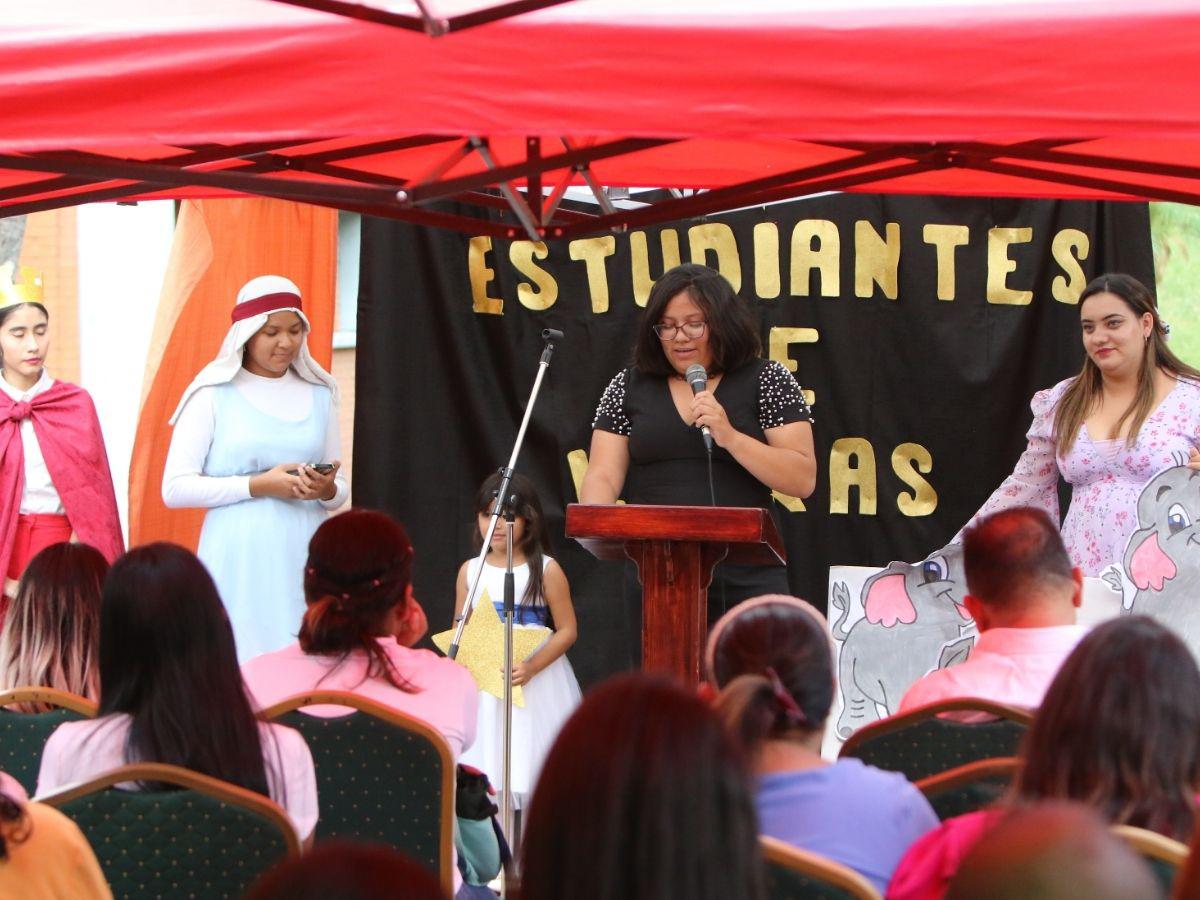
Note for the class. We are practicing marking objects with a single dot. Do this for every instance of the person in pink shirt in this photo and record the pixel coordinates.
(171, 692)
(360, 615)
(1119, 731)
(1023, 593)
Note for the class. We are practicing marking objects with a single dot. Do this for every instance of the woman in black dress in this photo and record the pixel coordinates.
(646, 441)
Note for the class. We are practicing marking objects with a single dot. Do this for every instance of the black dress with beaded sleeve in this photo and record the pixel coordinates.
(668, 465)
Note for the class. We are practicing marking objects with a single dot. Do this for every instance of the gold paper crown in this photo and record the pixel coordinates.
(28, 290)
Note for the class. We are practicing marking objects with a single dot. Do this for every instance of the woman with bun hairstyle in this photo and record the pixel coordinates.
(772, 660)
(257, 444)
(55, 483)
(360, 618)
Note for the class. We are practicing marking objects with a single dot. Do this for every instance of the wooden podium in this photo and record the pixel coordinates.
(675, 549)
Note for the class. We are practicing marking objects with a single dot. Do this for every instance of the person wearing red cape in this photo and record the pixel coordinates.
(55, 483)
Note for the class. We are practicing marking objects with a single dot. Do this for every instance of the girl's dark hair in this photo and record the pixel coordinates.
(1079, 398)
(9, 310)
(536, 539)
(772, 661)
(732, 330)
(167, 659)
(642, 797)
(359, 570)
(14, 825)
(51, 634)
(1119, 730)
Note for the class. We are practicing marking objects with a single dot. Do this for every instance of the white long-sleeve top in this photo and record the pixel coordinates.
(289, 398)
(39, 496)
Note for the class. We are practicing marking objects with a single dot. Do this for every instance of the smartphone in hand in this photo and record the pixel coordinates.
(323, 468)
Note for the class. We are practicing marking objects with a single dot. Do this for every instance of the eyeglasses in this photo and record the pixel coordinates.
(690, 329)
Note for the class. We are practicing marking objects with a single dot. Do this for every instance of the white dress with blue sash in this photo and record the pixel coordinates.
(256, 548)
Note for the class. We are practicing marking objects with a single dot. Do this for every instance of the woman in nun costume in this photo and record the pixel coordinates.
(250, 433)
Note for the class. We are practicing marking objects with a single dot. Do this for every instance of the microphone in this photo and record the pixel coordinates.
(698, 379)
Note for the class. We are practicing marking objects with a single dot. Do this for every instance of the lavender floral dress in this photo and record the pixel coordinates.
(1106, 477)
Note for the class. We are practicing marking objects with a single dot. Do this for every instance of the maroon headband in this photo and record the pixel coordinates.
(265, 303)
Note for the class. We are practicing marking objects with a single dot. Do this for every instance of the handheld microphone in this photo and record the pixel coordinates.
(698, 379)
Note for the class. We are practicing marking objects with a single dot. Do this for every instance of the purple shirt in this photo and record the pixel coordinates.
(855, 814)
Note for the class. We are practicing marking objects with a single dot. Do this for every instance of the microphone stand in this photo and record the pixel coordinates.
(549, 335)
(506, 797)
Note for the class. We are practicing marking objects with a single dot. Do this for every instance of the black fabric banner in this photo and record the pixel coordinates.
(921, 326)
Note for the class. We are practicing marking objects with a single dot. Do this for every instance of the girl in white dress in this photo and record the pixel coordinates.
(543, 600)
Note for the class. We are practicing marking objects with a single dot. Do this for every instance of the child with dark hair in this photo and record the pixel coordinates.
(772, 660)
(642, 797)
(171, 692)
(360, 616)
(542, 599)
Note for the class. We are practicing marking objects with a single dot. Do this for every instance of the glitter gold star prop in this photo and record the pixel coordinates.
(482, 648)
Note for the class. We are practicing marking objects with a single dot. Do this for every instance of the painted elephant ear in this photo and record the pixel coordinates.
(888, 602)
(1147, 563)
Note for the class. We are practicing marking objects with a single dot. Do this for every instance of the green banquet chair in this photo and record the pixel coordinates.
(24, 734)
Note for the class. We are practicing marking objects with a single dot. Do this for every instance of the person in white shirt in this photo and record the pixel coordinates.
(257, 444)
(1023, 593)
(171, 691)
(55, 484)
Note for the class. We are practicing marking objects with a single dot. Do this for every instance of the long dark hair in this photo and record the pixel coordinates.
(536, 539)
(359, 570)
(642, 797)
(1119, 729)
(771, 658)
(51, 634)
(167, 659)
(1083, 392)
(732, 331)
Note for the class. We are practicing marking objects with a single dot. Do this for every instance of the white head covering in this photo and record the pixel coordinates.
(257, 299)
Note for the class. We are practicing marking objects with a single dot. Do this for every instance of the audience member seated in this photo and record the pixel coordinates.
(52, 630)
(642, 797)
(171, 692)
(1023, 594)
(1119, 731)
(347, 871)
(361, 613)
(1053, 851)
(773, 662)
(43, 855)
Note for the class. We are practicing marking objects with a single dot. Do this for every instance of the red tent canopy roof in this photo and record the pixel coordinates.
(126, 98)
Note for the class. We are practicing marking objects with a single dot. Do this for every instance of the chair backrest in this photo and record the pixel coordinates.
(24, 734)
(968, 788)
(795, 874)
(921, 743)
(207, 839)
(381, 776)
(1165, 856)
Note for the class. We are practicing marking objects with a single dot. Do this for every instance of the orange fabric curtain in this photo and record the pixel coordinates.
(218, 246)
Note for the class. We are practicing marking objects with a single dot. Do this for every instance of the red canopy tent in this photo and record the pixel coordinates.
(751, 102)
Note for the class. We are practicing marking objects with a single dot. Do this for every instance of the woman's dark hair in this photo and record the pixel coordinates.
(528, 506)
(348, 871)
(1079, 398)
(732, 331)
(14, 825)
(51, 634)
(642, 797)
(771, 659)
(9, 310)
(168, 660)
(359, 570)
(1119, 730)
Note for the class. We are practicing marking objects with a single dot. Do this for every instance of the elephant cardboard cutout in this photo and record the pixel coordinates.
(1162, 560)
(912, 622)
